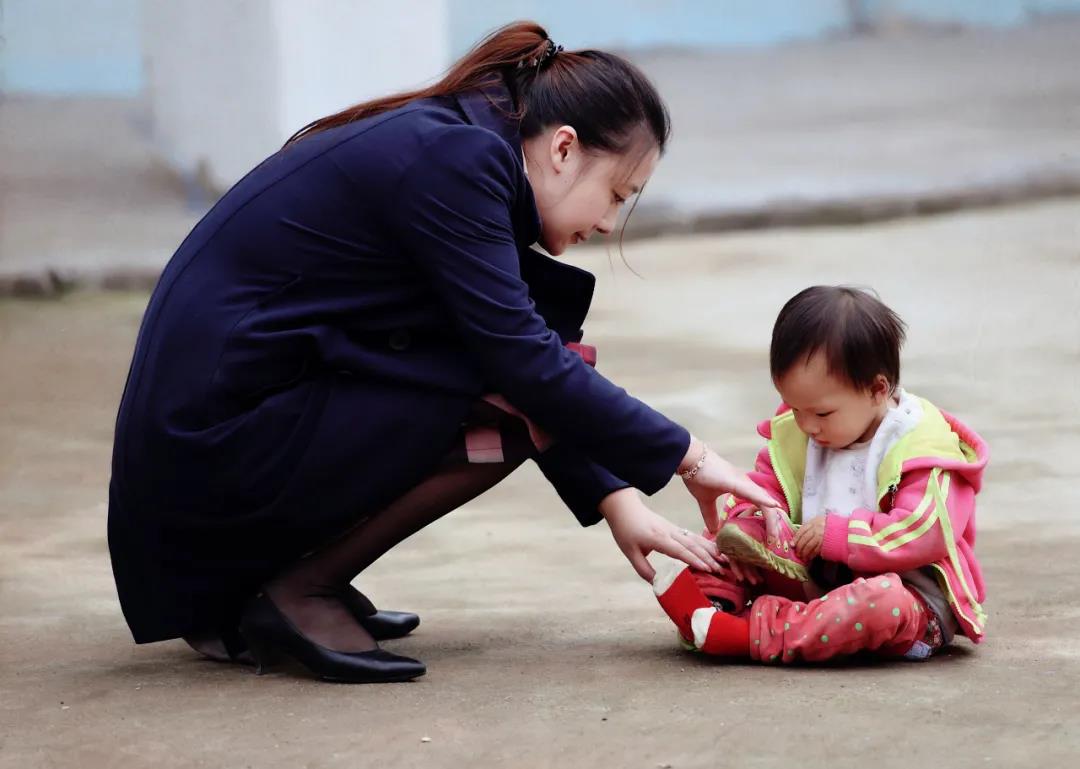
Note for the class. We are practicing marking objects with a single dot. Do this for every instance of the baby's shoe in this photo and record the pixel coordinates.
(744, 539)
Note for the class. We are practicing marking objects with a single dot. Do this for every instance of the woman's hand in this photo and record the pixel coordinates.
(639, 531)
(716, 476)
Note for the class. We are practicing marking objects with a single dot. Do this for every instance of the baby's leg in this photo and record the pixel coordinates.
(725, 592)
(876, 614)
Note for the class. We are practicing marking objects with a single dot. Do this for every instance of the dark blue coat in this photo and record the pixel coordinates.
(313, 346)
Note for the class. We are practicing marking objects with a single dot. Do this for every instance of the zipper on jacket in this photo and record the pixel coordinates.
(783, 484)
(890, 494)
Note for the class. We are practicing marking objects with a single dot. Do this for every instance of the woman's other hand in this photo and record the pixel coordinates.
(708, 476)
(639, 531)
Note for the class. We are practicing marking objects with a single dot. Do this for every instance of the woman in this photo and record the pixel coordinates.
(306, 390)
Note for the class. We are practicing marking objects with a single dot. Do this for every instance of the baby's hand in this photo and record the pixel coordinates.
(809, 537)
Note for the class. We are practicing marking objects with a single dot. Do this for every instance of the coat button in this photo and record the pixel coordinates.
(399, 339)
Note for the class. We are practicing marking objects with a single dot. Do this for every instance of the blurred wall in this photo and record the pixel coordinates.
(655, 23)
(230, 80)
(213, 84)
(995, 13)
(96, 47)
(353, 50)
(227, 81)
(64, 47)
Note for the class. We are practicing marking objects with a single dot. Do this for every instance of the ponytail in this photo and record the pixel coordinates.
(605, 98)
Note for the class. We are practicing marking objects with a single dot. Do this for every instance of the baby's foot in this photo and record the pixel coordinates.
(719, 633)
(680, 596)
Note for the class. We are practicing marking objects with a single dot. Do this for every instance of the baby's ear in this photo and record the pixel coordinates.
(881, 389)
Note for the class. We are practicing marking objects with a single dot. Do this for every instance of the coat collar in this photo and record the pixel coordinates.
(493, 108)
(561, 291)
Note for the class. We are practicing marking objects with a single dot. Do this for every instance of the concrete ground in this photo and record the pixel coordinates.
(544, 649)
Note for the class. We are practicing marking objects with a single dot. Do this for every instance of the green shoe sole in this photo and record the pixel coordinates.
(736, 543)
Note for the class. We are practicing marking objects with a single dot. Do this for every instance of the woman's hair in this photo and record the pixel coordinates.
(859, 336)
(606, 99)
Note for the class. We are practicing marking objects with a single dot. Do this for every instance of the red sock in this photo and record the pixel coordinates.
(679, 596)
(725, 635)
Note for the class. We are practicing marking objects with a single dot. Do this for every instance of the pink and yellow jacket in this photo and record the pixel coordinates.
(927, 484)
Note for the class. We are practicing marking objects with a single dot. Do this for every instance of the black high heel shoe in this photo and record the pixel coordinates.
(383, 625)
(387, 625)
(268, 632)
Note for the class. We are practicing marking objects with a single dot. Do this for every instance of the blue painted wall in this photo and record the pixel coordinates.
(69, 47)
(74, 47)
(656, 23)
(652, 23)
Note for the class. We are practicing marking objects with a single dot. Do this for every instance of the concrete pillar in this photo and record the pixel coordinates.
(228, 81)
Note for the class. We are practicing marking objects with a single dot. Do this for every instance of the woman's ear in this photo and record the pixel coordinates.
(564, 148)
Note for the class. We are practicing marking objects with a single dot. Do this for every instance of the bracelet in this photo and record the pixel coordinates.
(688, 475)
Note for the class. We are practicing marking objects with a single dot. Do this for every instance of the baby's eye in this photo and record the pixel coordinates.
(822, 416)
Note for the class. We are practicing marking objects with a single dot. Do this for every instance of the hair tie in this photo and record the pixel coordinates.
(548, 54)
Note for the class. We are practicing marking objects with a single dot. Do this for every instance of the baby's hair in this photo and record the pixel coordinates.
(858, 334)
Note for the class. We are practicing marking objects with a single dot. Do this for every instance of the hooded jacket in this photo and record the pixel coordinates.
(925, 516)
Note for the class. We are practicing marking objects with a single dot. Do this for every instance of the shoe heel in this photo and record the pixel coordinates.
(270, 634)
(263, 655)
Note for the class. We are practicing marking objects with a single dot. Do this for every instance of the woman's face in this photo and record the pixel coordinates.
(580, 193)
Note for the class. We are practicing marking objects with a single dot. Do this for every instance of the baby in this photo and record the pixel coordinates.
(876, 551)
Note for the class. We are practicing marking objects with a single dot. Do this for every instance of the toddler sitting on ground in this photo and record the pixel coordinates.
(876, 551)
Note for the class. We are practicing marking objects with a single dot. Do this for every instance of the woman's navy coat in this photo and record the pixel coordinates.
(314, 344)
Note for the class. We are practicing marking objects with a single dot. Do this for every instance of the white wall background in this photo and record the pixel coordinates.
(230, 80)
(348, 51)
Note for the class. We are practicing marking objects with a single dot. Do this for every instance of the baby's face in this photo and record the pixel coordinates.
(829, 409)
